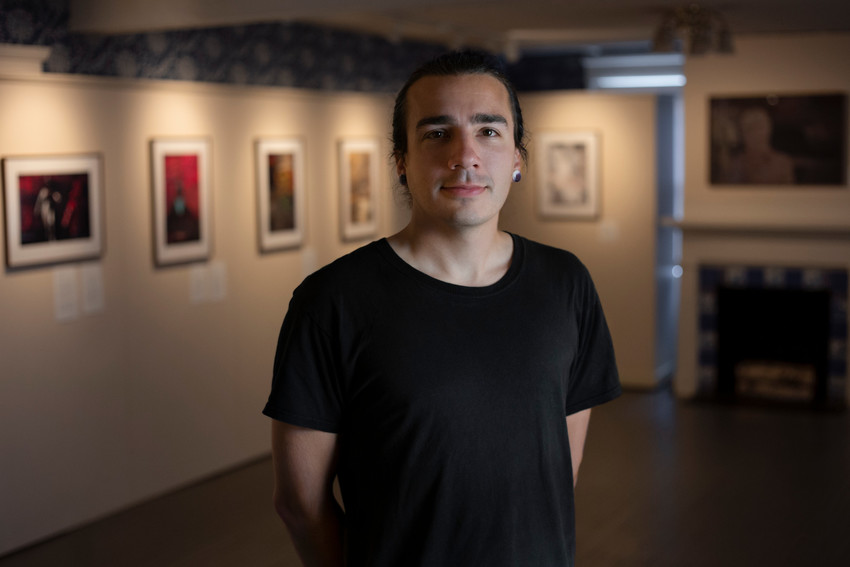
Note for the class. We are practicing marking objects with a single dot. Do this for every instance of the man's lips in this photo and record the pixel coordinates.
(464, 190)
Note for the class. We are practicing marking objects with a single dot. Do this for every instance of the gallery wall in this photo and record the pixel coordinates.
(159, 387)
(618, 243)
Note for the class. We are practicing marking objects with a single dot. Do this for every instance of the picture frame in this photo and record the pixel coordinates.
(778, 140)
(568, 175)
(358, 188)
(180, 175)
(54, 210)
(281, 193)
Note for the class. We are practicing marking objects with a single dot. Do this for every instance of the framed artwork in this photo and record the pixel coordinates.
(280, 193)
(180, 171)
(568, 174)
(54, 209)
(783, 140)
(358, 188)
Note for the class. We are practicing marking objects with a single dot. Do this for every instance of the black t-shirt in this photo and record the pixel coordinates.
(449, 402)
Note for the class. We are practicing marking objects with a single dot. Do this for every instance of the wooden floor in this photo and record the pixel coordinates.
(664, 483)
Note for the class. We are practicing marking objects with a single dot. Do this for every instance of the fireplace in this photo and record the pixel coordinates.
(772, 344)
(773, 335)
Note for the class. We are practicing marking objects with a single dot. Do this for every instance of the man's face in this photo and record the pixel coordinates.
(460, 152)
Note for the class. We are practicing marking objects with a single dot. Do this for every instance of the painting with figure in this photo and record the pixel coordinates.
(358, 168)
(180, 172)
(53, 209)
(182, 201)
(359, 187)
(281, 194)
(778, 140)
(567, 172)
(566, 182)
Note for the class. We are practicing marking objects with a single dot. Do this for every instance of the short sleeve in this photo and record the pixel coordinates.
(594, 378)
(305, 383)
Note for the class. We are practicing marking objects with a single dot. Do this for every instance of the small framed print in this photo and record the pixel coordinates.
(180, 171)
(54, 209)
(281, 194)
(568, 175)
(358, 186)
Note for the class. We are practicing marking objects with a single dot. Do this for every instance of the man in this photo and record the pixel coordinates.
(444, 374)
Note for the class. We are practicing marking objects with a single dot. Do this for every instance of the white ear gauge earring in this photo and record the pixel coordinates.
(516, 176)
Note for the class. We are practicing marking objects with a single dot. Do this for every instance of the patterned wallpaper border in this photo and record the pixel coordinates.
(271, 54)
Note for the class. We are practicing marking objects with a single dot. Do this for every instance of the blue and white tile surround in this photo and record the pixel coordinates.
(761, 277)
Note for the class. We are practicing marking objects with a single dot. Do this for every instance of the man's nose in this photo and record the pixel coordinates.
(463, 152)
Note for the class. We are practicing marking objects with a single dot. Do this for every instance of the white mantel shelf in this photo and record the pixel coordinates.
(758, 228)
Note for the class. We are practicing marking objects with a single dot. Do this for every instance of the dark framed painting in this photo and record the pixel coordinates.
(54, 209)
(180, 172)
(568, 175)
(281, 193)
(778, 140)
(358, 186)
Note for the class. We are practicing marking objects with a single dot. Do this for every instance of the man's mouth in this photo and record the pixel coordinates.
(463, 190)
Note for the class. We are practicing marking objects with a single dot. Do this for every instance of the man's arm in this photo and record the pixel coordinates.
(304, 469)
(577, 424)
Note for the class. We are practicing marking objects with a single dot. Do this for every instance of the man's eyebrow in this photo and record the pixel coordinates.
(483, 118)
(480, 118)
(435, 121)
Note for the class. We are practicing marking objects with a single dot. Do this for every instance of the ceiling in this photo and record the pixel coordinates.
(500, 25)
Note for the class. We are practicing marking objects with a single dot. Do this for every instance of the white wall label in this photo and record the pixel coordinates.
(65, 304)
(94, 300)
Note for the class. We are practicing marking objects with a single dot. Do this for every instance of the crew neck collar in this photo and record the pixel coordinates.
(506, 280)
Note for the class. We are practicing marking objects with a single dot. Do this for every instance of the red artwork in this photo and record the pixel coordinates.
(54, 207)
(182, 199)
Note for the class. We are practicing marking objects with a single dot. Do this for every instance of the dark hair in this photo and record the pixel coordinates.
(468, 62)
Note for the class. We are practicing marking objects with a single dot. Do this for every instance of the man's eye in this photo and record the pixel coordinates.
(435, 134)
(490, 132)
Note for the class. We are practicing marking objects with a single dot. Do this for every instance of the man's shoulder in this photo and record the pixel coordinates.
(344, 272)
(548, 257)
(353, 260)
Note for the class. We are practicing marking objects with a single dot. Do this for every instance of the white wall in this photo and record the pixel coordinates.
(618, 246)
(155, 391)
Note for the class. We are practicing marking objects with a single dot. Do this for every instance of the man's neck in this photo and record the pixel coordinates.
(473, 256)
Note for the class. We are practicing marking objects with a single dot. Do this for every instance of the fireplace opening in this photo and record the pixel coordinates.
(773, 345)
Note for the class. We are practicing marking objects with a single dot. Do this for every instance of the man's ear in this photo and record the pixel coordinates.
(517, 159)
